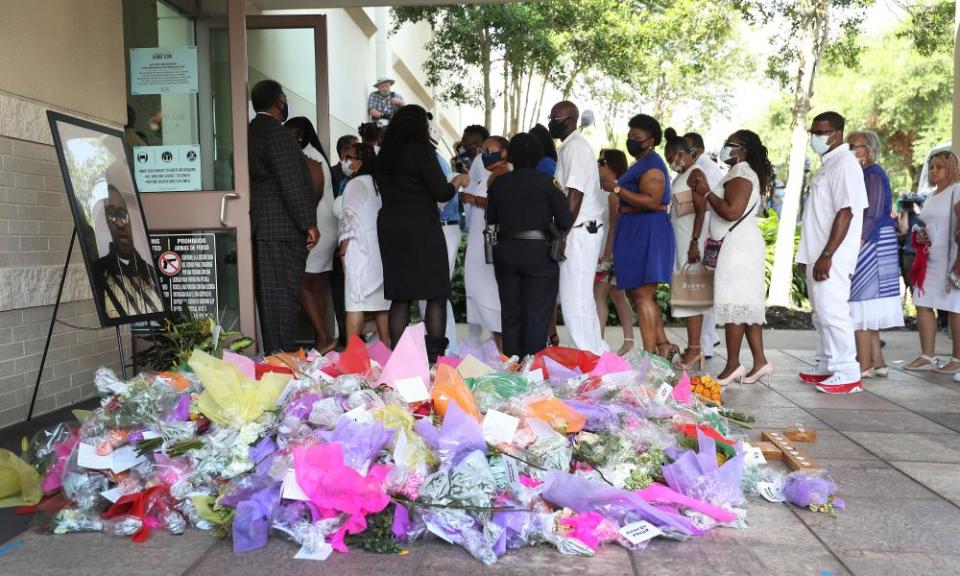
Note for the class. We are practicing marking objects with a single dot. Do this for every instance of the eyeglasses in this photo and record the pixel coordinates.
(119, 217)
(560, 119)
(602, 161)
(858, 146)
(733, 145)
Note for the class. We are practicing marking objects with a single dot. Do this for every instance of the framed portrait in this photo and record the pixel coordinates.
(109, 220)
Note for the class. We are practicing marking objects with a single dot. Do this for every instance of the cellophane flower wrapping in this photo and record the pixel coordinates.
(319, 456)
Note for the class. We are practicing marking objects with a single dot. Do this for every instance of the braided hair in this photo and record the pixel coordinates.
(407, 129)
(757, 158)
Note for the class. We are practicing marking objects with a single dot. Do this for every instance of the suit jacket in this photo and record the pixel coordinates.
(283, 205)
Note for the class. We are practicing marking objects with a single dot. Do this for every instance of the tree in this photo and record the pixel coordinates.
(810, 29)
(521, 42)
(682, 56)
(900, 88)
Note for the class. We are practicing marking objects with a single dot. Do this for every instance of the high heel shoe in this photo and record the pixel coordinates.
(698, 359)
(737, 375)
(763, 373)
(672, 350)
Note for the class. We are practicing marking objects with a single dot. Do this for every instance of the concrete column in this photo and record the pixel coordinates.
(382, 20)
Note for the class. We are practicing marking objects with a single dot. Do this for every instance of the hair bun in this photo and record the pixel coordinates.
(670, 134)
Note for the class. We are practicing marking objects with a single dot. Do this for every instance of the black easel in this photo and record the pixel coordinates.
(53, 322)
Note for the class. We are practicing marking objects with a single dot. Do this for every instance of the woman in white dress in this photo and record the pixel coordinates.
(480, 283)
(360, 248)
(689, 220)
(315, 285)
(739, 279)
(937, 241)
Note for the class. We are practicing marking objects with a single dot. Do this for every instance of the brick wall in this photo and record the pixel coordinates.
(35, 229)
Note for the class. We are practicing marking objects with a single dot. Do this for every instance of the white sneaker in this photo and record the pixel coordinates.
(840, 384)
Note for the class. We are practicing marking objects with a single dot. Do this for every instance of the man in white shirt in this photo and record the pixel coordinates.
(829, 248)
(578, 175)
(708, 335)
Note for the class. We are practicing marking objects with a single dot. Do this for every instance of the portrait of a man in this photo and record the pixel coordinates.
(109, 223)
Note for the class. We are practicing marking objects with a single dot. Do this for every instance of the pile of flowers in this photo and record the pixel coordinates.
(373, 449)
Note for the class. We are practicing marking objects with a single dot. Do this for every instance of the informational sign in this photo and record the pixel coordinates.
(163, 70)
(167, 168)
(188, 271)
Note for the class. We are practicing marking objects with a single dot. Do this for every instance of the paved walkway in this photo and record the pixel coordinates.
(894, 450)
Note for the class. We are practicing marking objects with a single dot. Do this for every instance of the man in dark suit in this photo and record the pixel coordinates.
(283, 214)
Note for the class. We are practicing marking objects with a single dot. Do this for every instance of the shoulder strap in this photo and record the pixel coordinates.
(742, 218)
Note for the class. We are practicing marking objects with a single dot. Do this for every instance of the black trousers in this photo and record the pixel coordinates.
(528, 281)
(337, 280)
(279, 269)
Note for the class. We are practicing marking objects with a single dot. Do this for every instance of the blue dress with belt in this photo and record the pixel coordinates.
(643, 249)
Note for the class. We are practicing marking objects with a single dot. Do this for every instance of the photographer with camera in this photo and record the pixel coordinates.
(383, 102)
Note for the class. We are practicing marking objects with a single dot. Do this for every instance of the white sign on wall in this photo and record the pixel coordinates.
(167, 168)
(163, 70)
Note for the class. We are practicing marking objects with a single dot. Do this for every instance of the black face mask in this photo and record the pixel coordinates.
(556, 128)
(490, 159)
(635, 148)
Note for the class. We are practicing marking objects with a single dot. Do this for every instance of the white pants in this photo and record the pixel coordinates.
(708, 334)
(576, 290)
(451, 233)
(836, 346)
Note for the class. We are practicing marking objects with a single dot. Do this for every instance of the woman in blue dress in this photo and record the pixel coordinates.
(644, 244)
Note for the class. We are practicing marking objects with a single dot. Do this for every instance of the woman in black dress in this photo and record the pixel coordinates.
(523, 204)
(412, 245)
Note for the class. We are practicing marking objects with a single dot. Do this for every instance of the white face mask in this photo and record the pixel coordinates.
(818, 142)
(345, 166)
(726, 155)
(677, 167)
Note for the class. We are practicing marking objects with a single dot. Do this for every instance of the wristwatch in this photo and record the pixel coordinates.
(827, 254)
(616, 189)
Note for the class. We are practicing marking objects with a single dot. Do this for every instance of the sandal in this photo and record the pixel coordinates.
(951, 367)
(672, 350)
(880, 371)
(697, 359)
(923, 364)
(627, 346)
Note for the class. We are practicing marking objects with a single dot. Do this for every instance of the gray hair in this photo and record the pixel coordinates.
(872, 140)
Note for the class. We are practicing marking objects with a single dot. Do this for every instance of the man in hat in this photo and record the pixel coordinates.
(383, 102)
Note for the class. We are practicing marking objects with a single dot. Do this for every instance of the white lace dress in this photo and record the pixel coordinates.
(362, 268)
(739, 287)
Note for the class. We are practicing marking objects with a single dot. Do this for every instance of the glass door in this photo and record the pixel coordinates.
(292, 51)
(187, 126)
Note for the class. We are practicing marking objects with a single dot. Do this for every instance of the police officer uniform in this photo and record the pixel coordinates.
(521, 206)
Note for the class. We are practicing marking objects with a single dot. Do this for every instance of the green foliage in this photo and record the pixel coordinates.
(931, 26)
(895, 90)
(378, 537)
(183, 333)
(798, 288)
(790, 18)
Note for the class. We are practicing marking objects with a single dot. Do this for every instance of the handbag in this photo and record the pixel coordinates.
(558, 243)
(683, 203)
(711, 248)
(489, 241)
(691, 287)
